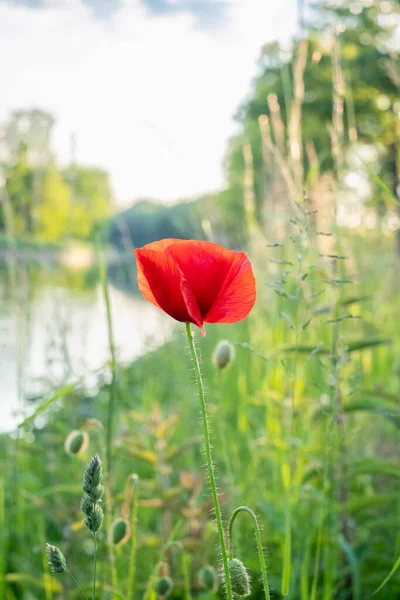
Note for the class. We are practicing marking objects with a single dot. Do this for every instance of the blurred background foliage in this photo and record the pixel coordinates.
(313, 193)
(46, 202)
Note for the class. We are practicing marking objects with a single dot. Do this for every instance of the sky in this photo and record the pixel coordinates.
(148, 87)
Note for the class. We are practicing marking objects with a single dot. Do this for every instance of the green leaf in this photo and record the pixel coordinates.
(354, 300)
(303, 349)
(26, 579)
(365, 344)
(378, 406)
(375, 466)
(43, 406)
(354, 566)
(392, 572)
(54, 490)
(381, 502)
(379, 182)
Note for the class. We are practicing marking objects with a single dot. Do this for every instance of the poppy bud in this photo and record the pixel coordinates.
(208, 578)
(76, 442)
(121, 532)
(240, 580)
(224, 354)
(164, 587)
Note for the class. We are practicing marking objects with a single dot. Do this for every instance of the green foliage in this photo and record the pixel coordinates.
(371, 105)
(147, 221)
(53, 212)
(91, 199)
(305, 422)
(49, 204)
(20, 188)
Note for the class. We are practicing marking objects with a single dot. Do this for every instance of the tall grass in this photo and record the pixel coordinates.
(306, 421)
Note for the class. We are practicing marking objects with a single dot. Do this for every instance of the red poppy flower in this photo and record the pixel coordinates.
(196, 282)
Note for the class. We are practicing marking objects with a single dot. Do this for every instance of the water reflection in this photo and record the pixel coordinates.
(53, 330)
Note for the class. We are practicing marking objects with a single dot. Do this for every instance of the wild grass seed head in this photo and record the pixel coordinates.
(56, 559)
(93, 494)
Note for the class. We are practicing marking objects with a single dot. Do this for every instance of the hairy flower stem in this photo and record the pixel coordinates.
(209, 460)
(261, 558)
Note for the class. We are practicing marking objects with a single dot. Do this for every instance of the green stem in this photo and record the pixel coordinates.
(287, 551)
(209, 460)
(186, 576)
(132, 557)
(261, 558)
(112, 403)
(77, 584)
(94, 567)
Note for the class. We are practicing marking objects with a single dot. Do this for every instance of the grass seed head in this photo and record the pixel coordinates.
(56, 559)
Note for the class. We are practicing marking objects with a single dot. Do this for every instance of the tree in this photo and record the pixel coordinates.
(54, 210)
(20, 189)
(371, 106)
(91, 198)
(31, 128)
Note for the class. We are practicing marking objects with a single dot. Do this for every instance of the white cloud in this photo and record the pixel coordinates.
(150, 98)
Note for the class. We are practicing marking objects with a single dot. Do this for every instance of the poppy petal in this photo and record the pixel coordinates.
(205, 266)
(162, 245)
(161, 282)
(237, 295)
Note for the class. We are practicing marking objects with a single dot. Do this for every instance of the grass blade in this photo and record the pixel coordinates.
(392, 572)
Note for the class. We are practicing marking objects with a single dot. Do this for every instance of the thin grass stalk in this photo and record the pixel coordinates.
(322, 515)
(340, 472)
(210, 466)
(77, 584)
(277, 123)
(287, 475)
(94, 566)
(287, 89)
(305, 564)
(112, 404)
(133, 549)
(45, 564)
(3, 541)
(294, 124)
(153, 577)
(350, 112)
(186, 576)
(338, 128)
(270, 148)
(108, 515)
(260, 551)
(248, 189)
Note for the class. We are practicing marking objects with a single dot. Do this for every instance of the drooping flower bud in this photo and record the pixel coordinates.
(76, 442)
(208, 578)
(56, 559)
(164, 587)
(224, 354)
(240, 580)
(121, 531)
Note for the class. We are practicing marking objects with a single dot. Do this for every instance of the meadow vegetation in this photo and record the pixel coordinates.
(305, 417)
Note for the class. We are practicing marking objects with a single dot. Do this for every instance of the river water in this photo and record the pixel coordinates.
(53, 330)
